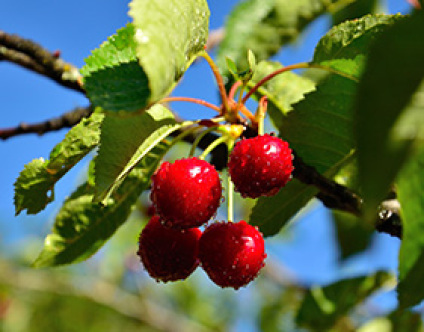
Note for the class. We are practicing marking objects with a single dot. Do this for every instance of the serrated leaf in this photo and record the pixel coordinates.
(319, 129)
(355, 10)
(170, 34)
(282, 91)
(263, 26)
(345, 46)
(113, 78)
(82, 227)
(34, 188)
(410, 187)
(124, 142)
(142, 62)
(322, 307)
(393, 73)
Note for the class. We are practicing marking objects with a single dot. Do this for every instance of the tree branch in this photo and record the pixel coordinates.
(34, 57)
(67, 120)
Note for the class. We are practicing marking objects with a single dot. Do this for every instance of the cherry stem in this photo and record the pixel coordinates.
(230, 189)
(218, 78)
(230, 199)
(233, 89)
(301, 65)
(191, 100)
(185, 133)
(198, 139)
(260, 114)
(272, 75)
(213, 145)
(243, 109)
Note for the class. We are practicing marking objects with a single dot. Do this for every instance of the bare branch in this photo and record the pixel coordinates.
(33, 56)
(67, 120)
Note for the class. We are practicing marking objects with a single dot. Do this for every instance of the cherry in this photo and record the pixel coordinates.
(260, 166)
(168, 254)
(231, 253)
(186, 193)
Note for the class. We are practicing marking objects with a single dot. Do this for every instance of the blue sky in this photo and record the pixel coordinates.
(75, 28)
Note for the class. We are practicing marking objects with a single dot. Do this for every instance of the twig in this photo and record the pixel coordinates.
(33, 56)
(67, 120)
(332, 194)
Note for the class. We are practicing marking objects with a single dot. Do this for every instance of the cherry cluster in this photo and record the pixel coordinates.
(186, 195)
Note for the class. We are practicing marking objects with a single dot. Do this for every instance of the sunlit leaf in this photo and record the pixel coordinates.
(142, 62)
(282, 91)
(355, 10)
(170, 34)
(34, 188)
(82, 227)
(264, 26)
(345, 46)
(125, 141)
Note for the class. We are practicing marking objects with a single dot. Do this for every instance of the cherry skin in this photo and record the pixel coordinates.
(186, 193)
(260, 166)
(232, 254)
(168, 254)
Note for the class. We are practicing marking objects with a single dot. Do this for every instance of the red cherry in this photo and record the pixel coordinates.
(260, 166)
(186, 193)
(232, 253)
(168, 254)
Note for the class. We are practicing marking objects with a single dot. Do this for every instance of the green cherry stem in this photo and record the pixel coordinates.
(260, 114)
(218, 78)
(198, 139)
(213, 145)
(185, 133)
(230, 188)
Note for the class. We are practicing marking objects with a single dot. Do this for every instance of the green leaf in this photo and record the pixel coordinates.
(113, 78)
(170, 34)
(410, 186)
(282, 91)
(319, 129)
(271, 214)
(393, 73)
(82, 227)
(322, 307)
(355, 10)
(124, 142)
(142, 62)
(263, 26)
(34, 188)
(345, 46)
